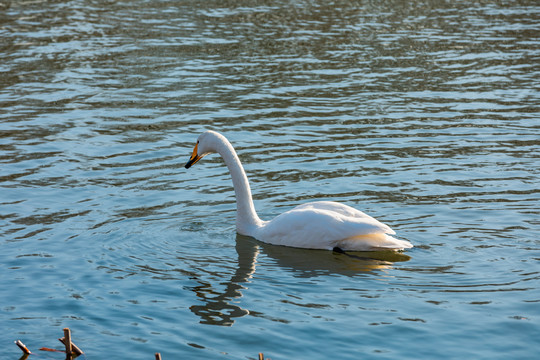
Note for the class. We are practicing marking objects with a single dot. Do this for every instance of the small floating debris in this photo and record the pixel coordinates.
(23, 347)
(71, 348)
(72, 351)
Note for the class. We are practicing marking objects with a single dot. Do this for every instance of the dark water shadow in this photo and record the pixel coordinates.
(219, 308)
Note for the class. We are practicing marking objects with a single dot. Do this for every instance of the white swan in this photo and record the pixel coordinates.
(315, 225)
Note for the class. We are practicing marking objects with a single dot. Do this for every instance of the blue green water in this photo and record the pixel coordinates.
(424, 115)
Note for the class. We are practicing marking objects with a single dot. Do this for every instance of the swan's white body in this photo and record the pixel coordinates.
(314, 225)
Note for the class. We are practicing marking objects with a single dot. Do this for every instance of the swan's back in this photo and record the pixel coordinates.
(326, 225)
(344, 210)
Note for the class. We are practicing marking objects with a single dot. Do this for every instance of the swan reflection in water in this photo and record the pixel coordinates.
(221, 308)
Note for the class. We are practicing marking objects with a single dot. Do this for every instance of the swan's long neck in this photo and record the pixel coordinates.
(246, 217)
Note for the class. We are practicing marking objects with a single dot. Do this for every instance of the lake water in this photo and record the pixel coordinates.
(425, 115)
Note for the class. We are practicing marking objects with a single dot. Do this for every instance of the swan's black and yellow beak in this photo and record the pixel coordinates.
(194, 157)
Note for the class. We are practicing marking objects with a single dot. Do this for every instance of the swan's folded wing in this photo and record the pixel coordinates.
(344, 210)
(317, 228)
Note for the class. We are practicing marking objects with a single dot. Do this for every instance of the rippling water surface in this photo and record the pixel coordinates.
(423, 114)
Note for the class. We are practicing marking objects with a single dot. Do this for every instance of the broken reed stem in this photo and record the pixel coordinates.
(158, 356)
(67, 336)
(74, 348)
(23, 347)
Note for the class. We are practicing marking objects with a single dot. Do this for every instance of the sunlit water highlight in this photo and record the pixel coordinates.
(424, 115)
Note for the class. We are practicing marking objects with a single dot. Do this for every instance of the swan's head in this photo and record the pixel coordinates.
(207, 143)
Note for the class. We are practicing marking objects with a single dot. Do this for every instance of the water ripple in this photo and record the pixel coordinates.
(421, 114)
